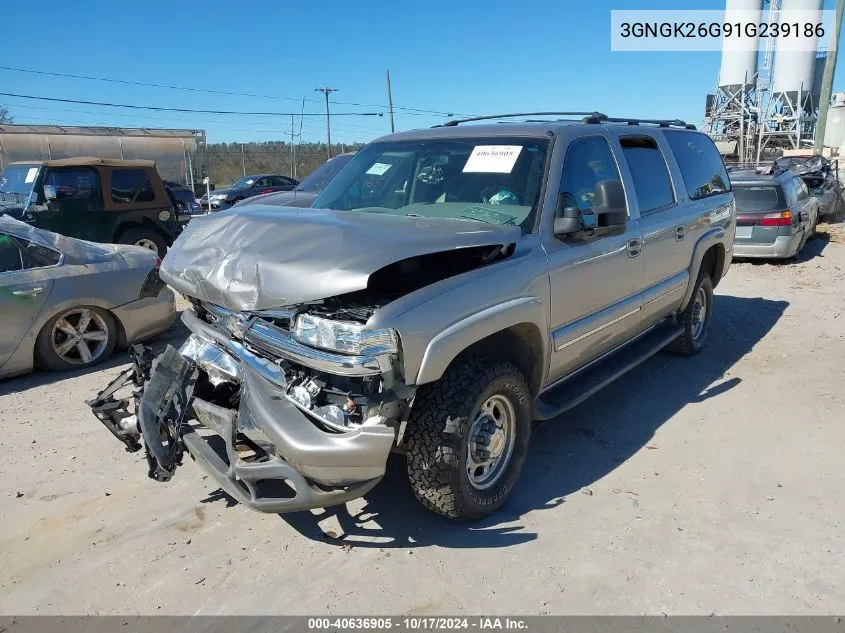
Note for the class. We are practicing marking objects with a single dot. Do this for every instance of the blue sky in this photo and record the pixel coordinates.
(444, 55)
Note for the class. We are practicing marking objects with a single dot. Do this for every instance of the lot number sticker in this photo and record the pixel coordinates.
(31, 174)
(493, 159)
(379, 169)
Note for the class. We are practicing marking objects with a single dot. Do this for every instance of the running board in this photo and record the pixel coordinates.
(580, 386)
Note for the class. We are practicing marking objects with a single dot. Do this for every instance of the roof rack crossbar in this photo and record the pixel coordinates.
(635, 121)
(489, 117)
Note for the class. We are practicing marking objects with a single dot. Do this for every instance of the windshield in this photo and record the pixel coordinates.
(494, 180)
(317, 180)
(243, 183)
(16, 181)
(755, 198)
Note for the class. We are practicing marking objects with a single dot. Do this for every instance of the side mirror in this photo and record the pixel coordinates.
(817, 191)
(50, 192)
(567, 219)
(610, 205)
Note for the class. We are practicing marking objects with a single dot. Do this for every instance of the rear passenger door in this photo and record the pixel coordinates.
(25, 285)
(664, 222)
(807, 206)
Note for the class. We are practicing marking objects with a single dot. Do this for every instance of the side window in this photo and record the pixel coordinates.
(279, 181)
(74, 184)
(652, 184)
(37, 256)
(10, 254)
(131, 185)
(588, 161)
(803, 192)
(263, 182)
(790, 191)
(701, 165)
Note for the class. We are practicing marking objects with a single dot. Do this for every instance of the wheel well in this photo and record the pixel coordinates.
(520, 344)
(713, 263)
(125, 226)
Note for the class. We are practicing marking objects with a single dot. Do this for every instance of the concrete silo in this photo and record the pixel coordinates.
(732, 111)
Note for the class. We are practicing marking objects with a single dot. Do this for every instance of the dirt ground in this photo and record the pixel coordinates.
(691, 486)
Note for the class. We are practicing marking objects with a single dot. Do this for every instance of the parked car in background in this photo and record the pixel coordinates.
(246, 187)
(67, 303)
(184, 200)
(307, 191)
(817, 174)
(775, 214)
(101, 200)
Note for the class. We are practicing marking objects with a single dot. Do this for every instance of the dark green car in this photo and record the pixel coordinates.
(100, 200)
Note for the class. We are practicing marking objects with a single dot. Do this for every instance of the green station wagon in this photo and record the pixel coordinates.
(95, 199)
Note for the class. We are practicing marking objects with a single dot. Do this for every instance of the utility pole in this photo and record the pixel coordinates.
(292, 151)
(827, 79)
(327, 92)
(390, 102)
(243, 159)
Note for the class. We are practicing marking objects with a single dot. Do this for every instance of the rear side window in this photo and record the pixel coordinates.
(750, 199)
(801, 189)
(131, 185)
(701, 165)
(74, 184)
(652, 184)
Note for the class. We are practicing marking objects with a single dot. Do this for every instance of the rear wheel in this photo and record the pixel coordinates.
(467, 438)
(76, 338)
(145, 238)
(695, 319)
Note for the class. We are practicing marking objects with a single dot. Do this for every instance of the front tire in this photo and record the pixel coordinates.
(467, 438)
(76, 338)
(695, 319)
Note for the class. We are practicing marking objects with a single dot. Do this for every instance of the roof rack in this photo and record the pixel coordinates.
(633, 121)
(588, 117)
(489, 117)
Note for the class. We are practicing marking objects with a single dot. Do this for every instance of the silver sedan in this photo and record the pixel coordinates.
(66, 303)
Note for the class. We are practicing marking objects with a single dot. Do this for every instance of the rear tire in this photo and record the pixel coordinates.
(467, 438)
(62, 342)
(695, 319)
(145, 238)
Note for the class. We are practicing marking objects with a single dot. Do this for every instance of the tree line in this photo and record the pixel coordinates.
(226, 162)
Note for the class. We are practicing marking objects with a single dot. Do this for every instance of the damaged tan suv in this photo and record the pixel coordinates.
(448, 287)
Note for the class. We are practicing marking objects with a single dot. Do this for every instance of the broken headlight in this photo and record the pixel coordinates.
(343, 336)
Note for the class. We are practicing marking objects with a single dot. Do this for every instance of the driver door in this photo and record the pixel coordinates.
(596, 278)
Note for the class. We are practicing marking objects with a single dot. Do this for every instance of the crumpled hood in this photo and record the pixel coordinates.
(258, 257)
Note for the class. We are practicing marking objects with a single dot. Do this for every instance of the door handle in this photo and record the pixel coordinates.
(29, 292)
(680, 232)
(635, 247)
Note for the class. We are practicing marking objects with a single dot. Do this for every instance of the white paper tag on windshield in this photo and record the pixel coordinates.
(31, 174)
(493, 159)
(379, 169)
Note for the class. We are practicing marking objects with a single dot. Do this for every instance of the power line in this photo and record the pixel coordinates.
(222, 92)
(173, 122)
(188, 110)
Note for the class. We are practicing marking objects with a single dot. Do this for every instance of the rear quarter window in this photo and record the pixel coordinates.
(131, 185)
(701, 165)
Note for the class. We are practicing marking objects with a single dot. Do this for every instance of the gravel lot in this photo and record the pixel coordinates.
(692, 486)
